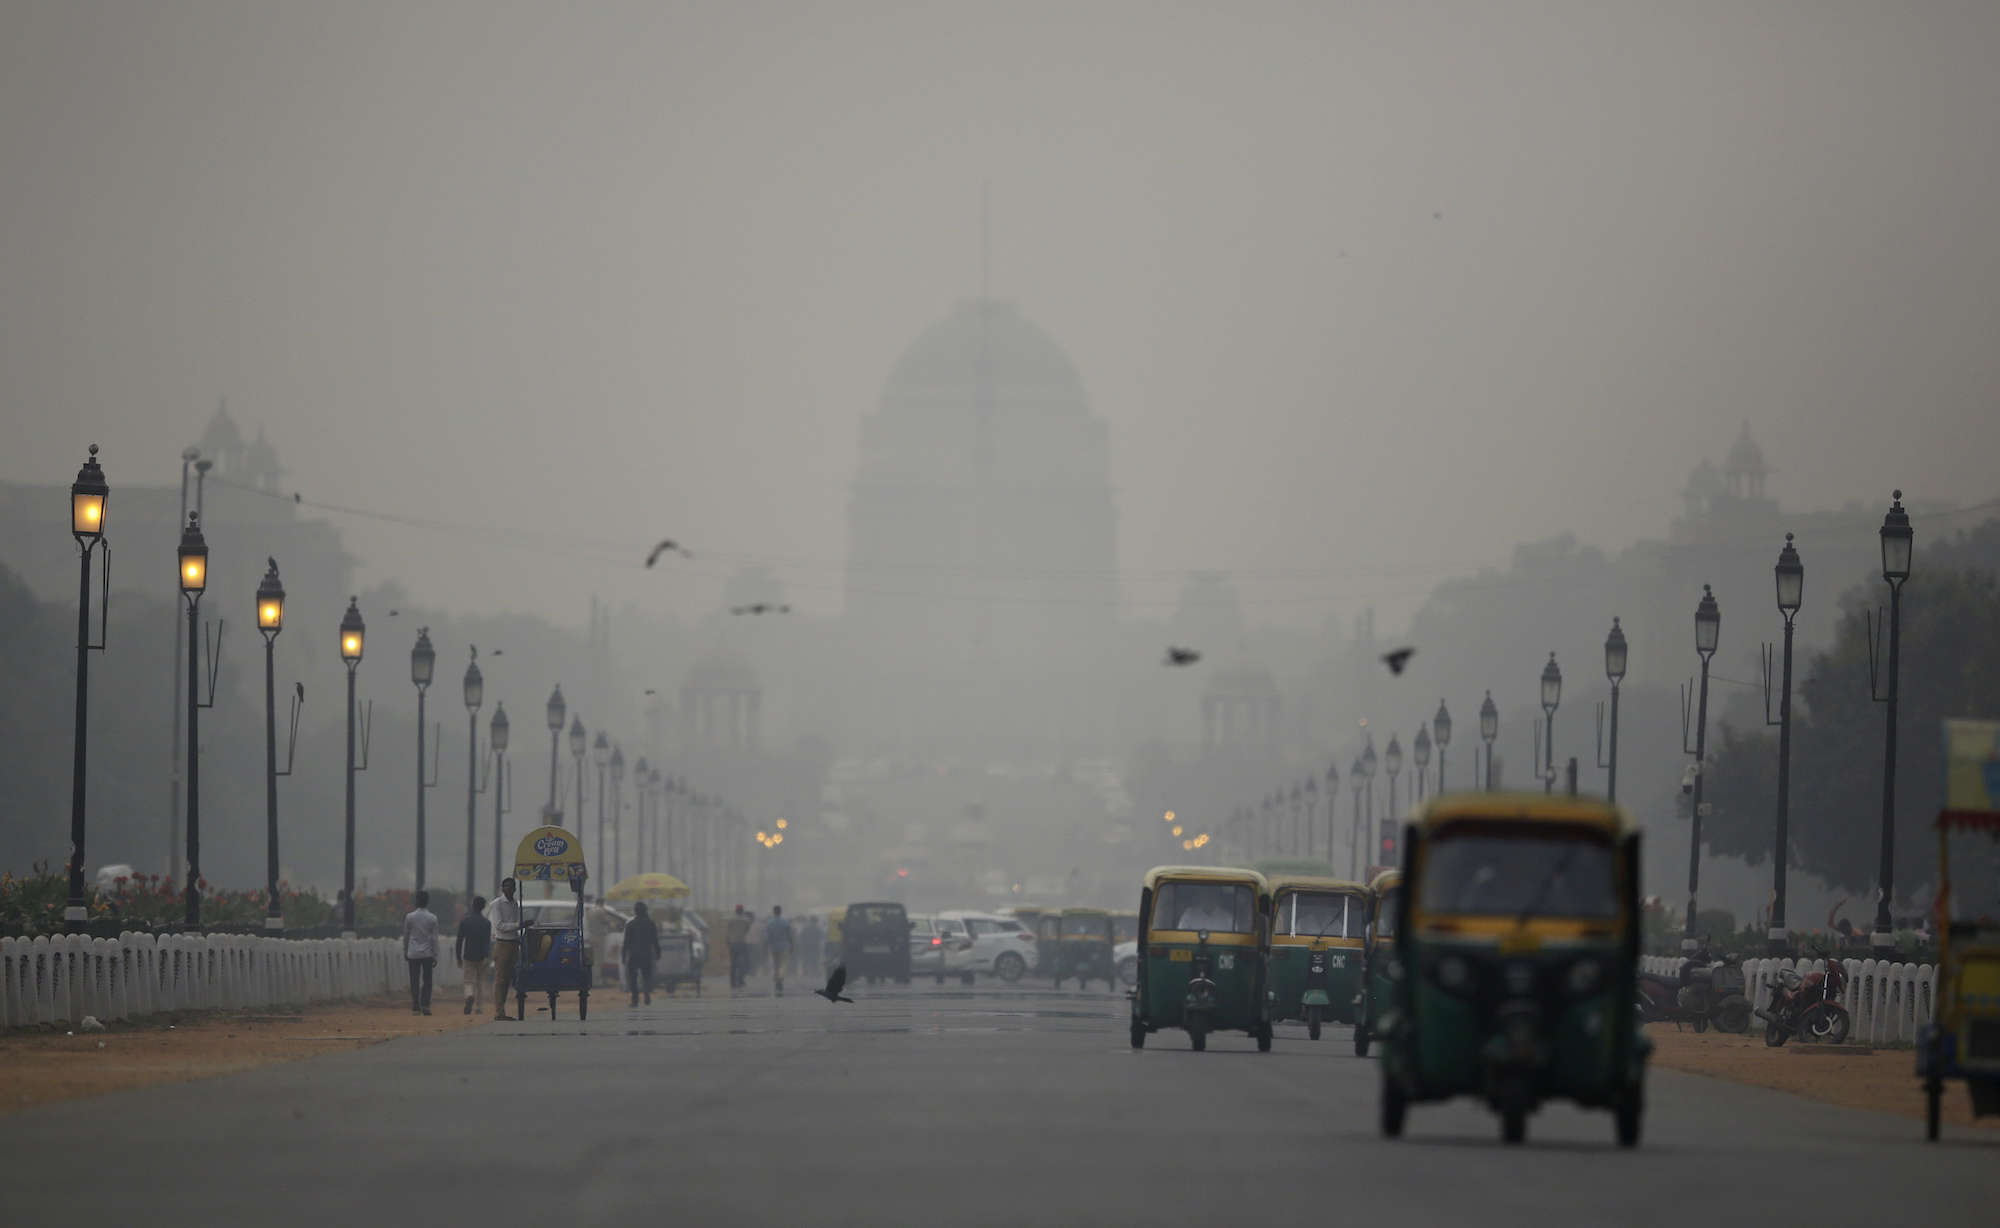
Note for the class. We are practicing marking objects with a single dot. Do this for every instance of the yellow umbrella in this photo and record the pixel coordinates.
(648, 887)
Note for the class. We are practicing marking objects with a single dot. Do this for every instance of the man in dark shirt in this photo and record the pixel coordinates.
(642, 951)
(473, 949)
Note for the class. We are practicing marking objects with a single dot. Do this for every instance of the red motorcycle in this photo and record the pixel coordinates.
(1808, 1006)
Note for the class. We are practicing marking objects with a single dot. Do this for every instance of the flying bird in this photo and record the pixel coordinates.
(297, 497)
(834, 984)
(666, 546)
(393, 613)
(302, 691)
(760, 608)
(1180, 656)
(497, 652)
(1398, 659)
(651, 691)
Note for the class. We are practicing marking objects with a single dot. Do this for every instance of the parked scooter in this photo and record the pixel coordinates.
(1708, 991)
(1808, 1006)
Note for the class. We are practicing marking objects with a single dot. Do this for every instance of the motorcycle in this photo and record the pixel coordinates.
(1808, 1006)
(1708, 991)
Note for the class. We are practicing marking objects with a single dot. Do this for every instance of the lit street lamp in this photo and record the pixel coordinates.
(475, 695)
(193, 560)
(1897, 540)
(1552, 692)
(1441, 734)
(1489, 729)
(271, 621)
(496, 738)
(1420, 759)
(353, 634)
(188, 457)
(1614, 669)
(87, 497)
(423, 664)
(557, 710)
(1707, 634)
(1790, 577)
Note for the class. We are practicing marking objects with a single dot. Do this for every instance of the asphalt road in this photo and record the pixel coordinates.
(935, 1106)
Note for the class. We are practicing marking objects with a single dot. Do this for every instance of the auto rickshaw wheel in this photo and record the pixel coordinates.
(1630, 1110)
(1264, 1037)
(1138, 1036)
(1933, 1103)
(1197, 1030)
(1513, 1125)
(1394, 1107)
(1312, 1022)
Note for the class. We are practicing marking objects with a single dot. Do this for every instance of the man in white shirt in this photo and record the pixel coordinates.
(420, 948)
(505, 914)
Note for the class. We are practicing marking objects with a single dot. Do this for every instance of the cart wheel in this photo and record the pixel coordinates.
(1933, 1102)
(1630, 1110)
(1394, 1107)
(1138, 1035)
(583, 1005)
(1513, 1126)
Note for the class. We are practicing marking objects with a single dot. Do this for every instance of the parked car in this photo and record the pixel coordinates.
(1125, 957)
(1001, 946)
(940, 947)
(875, 942)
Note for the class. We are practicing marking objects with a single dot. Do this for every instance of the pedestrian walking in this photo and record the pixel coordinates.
(505, 914)
(812, 943)
(420, 948)
(642, 951)
(473, 949)
(739, 947)
(778, 944)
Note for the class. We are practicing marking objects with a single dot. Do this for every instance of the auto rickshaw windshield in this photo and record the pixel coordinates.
(1385, 912)
(1518, 873)
(1321, 914)
(1221, 908)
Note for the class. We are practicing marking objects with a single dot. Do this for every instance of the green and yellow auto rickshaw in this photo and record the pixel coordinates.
(1086, 936)
(1516, 961)
(1202, 936)
(1048, 942)
(1314, 968)
(1125, 926)
(1963, 1041)
(1372, 1000)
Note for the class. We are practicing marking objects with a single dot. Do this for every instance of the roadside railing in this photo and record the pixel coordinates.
(1888, 1000)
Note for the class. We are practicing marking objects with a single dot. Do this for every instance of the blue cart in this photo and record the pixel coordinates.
(554, 958)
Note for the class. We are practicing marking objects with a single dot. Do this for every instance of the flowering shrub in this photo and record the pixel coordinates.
(33, 904)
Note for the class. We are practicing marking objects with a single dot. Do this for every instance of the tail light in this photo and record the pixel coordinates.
(937, 942)
(1026, 937)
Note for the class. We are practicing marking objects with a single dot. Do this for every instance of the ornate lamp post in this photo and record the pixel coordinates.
(1392, 762)
(577, 739)
(557, 710)
(1332, 796)
(353, 635)
(1298, 819)
(271, 621)
(87, 497)
(1552, 693)
(600, 752)
(1367, 798)
(188, 457)
(1790, 575)
(475, 695)
(664, 807)
(642, 783)
(423, 665)
(618, 818)
(1359, 779)
(1441, 734)
(496, 737)
(1312, 815)
(1420, 759)
(1897, 539)
(193, 555)
(1707, 634)
(1489, 729)
(1614, 669)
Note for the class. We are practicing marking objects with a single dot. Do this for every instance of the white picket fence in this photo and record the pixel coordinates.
(65, 977)
(1888, 1001)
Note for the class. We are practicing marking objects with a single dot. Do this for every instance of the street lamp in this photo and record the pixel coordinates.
(1312, 815)
(1489, 729)
(600, 751)
(193, 559)
(496, 738)
(1392, 762)
(1332, 796)
(1420, 758)
(1358, 773)
(271, 621)
(642, 784)
(475, 695)
(1614, 669)
(577, 739)
(1552, 693)
(87, 497)
(1441, 734)
(1897, 540)
(423, 664)
(353, 637)
(1707, 634)
(188, 458)
(1790, 577)
(618, 817)
(557, 710)
(1298, 819)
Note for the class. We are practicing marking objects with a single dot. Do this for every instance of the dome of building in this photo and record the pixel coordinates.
(985, 341)
(1745, 457)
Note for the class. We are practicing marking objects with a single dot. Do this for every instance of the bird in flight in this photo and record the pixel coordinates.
(667, 546)
(393, 613)
(1398, 659)
(497, 652)
(834, 984)
(760, 608)
(302, 691)
(1180, 656)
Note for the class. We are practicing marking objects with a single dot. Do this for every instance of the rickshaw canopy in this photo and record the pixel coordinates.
(652, 886)
(1205, 874)
(550, 854)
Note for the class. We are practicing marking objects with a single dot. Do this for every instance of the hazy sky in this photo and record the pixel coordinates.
(610, 272)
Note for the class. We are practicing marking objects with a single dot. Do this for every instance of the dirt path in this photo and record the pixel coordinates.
(38, 1067)
(1851, 1076)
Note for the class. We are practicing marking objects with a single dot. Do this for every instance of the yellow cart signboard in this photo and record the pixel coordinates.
(550, 854)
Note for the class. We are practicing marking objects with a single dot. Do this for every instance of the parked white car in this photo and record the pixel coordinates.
(1125, 957)
(1000, 946)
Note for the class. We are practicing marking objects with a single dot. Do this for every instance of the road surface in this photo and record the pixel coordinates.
(934, 1106)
